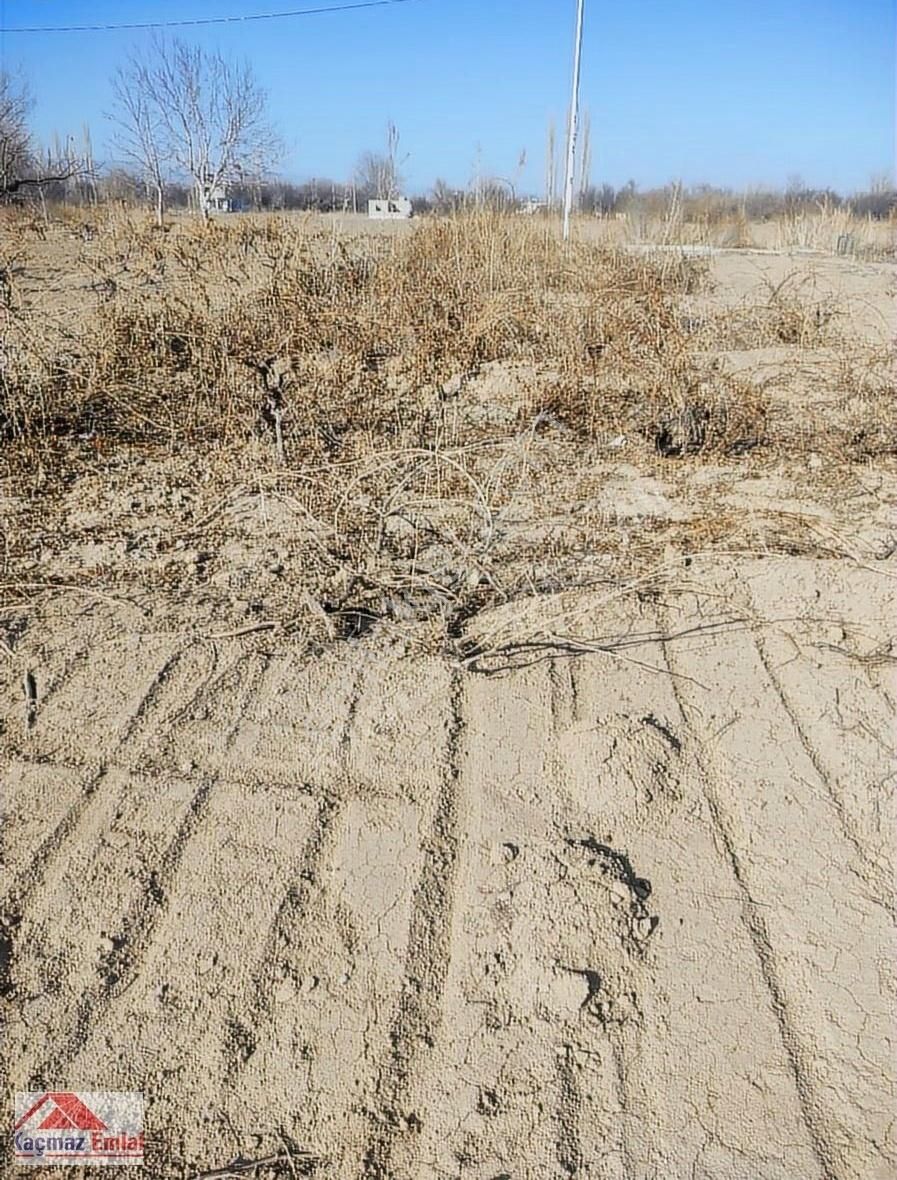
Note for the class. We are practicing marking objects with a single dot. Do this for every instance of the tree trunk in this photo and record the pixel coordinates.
(202, 203)
(160, 206)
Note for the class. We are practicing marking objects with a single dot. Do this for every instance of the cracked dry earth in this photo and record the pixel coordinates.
(625, 916)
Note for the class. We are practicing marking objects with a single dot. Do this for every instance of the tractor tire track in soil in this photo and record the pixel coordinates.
(782, 862)
(614, 916)
(138, 925)
(420, 1013)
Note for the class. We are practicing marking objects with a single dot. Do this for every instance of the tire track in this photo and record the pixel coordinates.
(123, 963)
(36, 797)
(672, 1042)
(54, 684)
(306, 886)
(621, 1095)
(889, 697)
(287, 919)
(562, 695)
(105, 689)
(31, 879)
(848, 827)
(167, 683)
(813, 1116)
(309, 936)
(568, 1146)
(419, 1014)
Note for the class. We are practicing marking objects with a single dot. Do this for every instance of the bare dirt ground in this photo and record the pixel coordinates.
(602, 887)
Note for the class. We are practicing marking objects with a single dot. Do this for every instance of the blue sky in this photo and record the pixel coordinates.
(725, 92)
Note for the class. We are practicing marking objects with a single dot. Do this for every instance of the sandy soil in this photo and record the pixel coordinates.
(625, 913)
(613, 900)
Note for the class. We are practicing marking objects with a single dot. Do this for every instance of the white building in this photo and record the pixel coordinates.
(214, 198)
(395, 209)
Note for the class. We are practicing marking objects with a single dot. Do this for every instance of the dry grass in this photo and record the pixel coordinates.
(401, 396)
(826, 230)
(836, 231)
(205, 333)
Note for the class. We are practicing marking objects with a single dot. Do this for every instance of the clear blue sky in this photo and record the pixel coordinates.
(724, 91)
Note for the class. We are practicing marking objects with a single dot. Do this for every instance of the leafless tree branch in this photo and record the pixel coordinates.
(186, 110)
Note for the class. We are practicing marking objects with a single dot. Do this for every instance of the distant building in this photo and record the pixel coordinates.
(395, 209)
(215, 199)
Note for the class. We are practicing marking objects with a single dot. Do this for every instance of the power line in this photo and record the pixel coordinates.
(207, 20)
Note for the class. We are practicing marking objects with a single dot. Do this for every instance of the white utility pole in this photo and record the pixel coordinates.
(571, 130)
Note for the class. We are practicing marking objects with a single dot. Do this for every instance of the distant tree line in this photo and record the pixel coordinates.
(705, 202)
(324, 195)
(190, 125)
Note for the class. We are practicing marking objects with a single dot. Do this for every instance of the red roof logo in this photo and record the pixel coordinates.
(67, 1113)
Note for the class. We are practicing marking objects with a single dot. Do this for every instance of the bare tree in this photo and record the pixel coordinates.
(445, 198)
(190, 111)
(23, 167)
(372, 175)
(140, 134)
(585, 166)
(881, 182)
(550, 165)
(90, 170)
(476, 182)
(16, 154)
(498, 193)
(521, 168)
(378, 174)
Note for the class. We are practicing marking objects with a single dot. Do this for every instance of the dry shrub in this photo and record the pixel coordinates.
(21, 222)
(792, 313)
(853, 414)
(347, 346)
(640, 374)
(677, 409)
(357, 365)
(196, 331)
